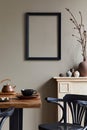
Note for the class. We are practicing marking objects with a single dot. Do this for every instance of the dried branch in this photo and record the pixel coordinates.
(82, 38)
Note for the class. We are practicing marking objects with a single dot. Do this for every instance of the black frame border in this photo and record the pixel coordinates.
(58, 14)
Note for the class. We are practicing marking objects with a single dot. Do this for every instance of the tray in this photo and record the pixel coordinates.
(7, 93)
(27, 97)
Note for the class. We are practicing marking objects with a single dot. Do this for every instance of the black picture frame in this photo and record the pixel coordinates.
(56, 17)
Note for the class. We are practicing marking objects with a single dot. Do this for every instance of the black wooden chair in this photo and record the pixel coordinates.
(78, 109)
(4, 114)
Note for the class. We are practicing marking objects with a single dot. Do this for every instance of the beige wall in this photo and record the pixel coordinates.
(36, 74)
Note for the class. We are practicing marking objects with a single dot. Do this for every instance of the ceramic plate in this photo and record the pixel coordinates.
(27, 97)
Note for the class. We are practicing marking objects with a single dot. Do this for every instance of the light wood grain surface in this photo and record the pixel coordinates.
(16, 101)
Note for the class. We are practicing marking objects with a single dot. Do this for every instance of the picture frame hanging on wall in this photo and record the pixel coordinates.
(42, 36)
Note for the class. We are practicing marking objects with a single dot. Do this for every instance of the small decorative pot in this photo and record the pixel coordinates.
(76, 74)
(69, 74)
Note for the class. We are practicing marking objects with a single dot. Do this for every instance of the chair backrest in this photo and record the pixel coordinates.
(4, 114)
(78, 112)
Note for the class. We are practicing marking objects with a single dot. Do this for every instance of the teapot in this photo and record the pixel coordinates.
(7, 87)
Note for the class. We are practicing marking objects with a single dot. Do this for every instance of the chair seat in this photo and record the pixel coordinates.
(60, 126)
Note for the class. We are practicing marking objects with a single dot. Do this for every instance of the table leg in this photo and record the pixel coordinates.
(16, 120)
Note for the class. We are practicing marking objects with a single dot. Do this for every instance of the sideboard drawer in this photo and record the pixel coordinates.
(63, 87)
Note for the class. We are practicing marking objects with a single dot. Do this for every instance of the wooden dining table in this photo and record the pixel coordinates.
(19, 102)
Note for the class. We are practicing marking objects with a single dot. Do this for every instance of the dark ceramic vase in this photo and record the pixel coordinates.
(83, 68)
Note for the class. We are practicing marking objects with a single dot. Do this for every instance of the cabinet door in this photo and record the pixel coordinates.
(63, 88)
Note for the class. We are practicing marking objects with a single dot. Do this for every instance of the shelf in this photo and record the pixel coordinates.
(73, 79)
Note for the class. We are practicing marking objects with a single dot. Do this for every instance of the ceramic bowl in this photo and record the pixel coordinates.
(28, 92)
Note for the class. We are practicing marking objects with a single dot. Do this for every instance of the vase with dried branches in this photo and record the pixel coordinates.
(82, 39)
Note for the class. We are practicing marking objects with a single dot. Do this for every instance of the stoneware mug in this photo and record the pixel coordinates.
(28, 92)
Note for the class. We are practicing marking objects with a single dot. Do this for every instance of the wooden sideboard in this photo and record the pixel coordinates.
(71, 85)
(19, 102)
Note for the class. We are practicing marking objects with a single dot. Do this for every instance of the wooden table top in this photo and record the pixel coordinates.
(18, 101)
